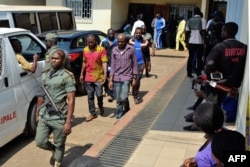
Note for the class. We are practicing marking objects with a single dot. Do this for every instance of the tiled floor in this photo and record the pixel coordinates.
(167, 144)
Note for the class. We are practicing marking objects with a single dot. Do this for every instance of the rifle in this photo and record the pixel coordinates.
(48, 101)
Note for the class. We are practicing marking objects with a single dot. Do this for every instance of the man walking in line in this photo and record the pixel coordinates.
(146, 51)
(95, 68)
(109, 43)
(139, 43)
(124, 71)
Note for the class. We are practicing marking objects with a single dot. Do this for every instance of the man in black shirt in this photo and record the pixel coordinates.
(229, 58)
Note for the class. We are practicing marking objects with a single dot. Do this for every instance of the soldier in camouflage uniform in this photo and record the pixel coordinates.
(60, 84)
(51, 45)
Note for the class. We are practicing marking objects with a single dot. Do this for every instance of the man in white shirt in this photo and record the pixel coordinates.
(138, 23)
(195, 33)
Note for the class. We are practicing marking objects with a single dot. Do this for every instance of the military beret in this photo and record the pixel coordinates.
(50, 36)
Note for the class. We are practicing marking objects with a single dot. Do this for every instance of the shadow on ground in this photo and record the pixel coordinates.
(74, 153)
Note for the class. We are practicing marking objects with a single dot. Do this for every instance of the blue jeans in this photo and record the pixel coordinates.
(121, 95)
(158, 39)
(93, 88)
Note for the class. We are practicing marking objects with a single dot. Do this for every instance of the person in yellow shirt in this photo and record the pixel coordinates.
(180, 36)
(16, 44)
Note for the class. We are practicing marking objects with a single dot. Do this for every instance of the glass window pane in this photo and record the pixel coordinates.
(21, 20)
(48, 21)
(30, 47)
(4, 23)
(66, 22)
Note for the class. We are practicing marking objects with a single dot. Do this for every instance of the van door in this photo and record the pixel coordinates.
(8, 107)
(29, 83)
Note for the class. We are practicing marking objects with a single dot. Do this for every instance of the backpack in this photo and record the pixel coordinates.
(214, 33)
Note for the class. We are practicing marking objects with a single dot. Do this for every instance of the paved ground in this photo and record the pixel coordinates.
(22, 152)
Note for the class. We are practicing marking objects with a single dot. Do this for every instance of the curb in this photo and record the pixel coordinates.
(95, 150)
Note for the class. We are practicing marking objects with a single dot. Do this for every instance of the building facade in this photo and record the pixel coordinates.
(114, 13)
(103, 14)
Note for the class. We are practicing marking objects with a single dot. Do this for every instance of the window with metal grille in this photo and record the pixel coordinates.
(82, 10)
(182, 10)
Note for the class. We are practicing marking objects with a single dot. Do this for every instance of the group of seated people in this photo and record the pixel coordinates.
(209, 118)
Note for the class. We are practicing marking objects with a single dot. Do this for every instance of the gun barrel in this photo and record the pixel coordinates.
(50, 100)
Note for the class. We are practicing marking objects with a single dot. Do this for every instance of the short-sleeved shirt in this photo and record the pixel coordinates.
(204, 157)
(58, 84)
(148, 36)
(94, 61)
(24, 63)
(195, 35)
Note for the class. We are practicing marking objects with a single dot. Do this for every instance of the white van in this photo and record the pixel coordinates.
(37, 19)
(18, 88)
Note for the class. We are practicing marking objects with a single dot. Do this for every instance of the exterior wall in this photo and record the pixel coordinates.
(101, 16)
(113, 13)
(54, 3)
(241, 17)
(22, 2)
(119, 13)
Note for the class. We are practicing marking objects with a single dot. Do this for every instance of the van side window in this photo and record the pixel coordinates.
(65, 19)
(25, 20)
(30, 47)
(4, 23)
(48, 21)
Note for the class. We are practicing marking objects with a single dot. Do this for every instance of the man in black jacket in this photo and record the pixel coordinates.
(229, 58)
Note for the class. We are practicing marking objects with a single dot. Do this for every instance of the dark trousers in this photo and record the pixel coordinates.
(106, 87)
(195, 49)
(93, 88)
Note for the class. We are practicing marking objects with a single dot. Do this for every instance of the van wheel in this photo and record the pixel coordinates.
(31, 120)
